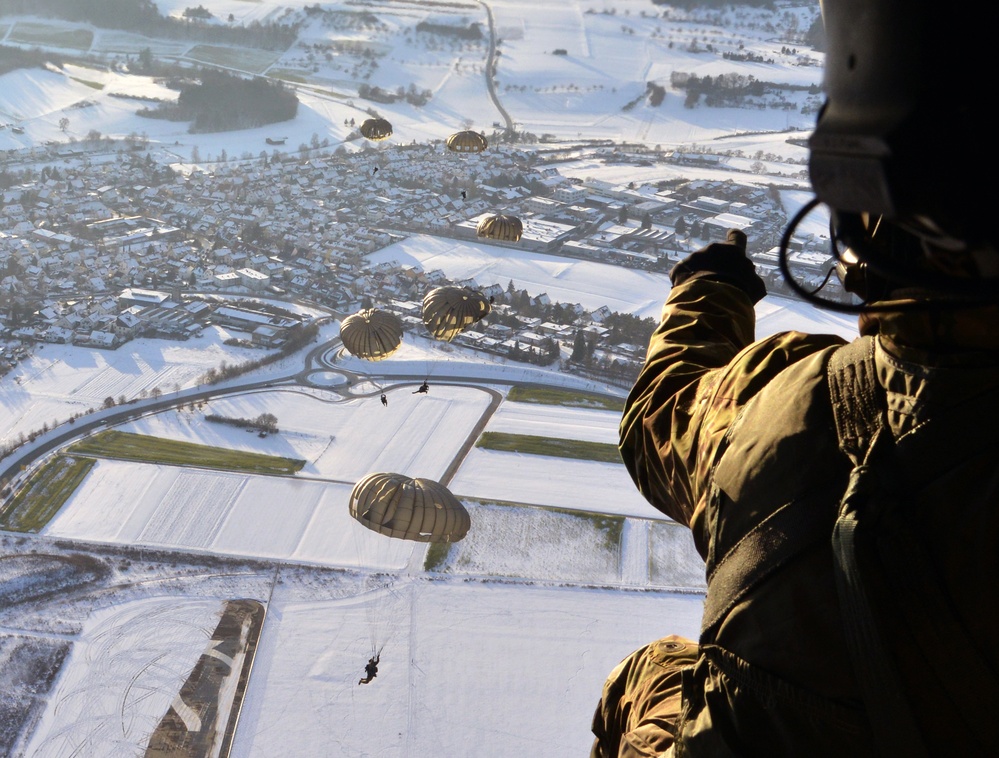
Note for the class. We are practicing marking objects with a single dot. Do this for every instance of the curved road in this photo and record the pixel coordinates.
(491, 69)
(314, 361)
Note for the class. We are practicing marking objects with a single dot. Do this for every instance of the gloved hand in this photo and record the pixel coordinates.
(724, 262)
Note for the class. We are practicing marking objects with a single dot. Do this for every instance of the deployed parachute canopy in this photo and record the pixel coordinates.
(409, 508)
(466, 142)
(447, 311)
(371, 334)
(376, 129)
(500, 227)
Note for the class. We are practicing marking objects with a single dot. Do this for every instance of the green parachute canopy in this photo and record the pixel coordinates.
(448, 311)
(371, 334)
(409, 508)
(500, 227)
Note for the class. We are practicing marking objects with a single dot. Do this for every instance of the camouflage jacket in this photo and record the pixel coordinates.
(719, 431)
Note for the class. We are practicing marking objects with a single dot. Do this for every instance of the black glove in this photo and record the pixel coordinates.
(724, 262)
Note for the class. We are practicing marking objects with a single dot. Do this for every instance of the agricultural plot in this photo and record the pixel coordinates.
(111, 41)
(145, 448)
(51, 35)
(546, 480)
(584, 424)
(148, 648)
(44, 494)
(673, 560)
(223, 513)
(61, 380)
(536, 543)
(341, 439)
(238, 58)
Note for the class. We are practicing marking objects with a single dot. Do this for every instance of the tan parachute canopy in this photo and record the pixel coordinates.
(411, 509)
(448, 311)
(376, 129)
(466, 142)
(500, 227)
(371, 334)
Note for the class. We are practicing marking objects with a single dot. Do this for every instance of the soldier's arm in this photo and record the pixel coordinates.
(704, 325)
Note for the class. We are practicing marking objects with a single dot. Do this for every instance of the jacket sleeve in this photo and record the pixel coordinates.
(702, 366)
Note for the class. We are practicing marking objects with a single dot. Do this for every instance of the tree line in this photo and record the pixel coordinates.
(13, 58)
(221, 102)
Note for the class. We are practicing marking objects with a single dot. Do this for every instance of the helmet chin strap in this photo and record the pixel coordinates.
(875, 257)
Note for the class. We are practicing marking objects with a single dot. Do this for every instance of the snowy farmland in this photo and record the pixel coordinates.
(305, 517)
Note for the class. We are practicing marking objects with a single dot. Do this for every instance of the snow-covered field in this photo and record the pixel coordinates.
(613, 49)
(447, 644)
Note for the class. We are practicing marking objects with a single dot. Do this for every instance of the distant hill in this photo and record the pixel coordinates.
(142, 16)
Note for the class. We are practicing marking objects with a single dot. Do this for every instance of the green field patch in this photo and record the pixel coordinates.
(437, 554)
(608, 528)
(239, 58)
(44, 494)
(560, 448)
(611, 526)
(289, 75)
(530, 536)
(673, 558)
(51, 35)
(140, 447)
(570, 398)
(112, 41)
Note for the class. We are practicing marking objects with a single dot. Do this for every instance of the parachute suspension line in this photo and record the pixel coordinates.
(450, 310)
(375, 611)
(430, 363)
(440, 360)
(437, 356)
(399, 507)
(374, 635)
(381, 612)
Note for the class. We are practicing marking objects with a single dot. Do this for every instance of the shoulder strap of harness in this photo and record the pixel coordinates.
(858, 405)
(883, 474)
(859, 420)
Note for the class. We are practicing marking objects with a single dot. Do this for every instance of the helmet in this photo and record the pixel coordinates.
(905, 133)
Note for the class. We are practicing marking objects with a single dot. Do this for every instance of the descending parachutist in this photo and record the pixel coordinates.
(370, 669)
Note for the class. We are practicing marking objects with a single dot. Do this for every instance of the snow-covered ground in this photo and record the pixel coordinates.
(506, 646)
(473, 638)
(613, 50)
(508, 621)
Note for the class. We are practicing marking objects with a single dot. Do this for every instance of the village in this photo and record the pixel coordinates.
(101, 243)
